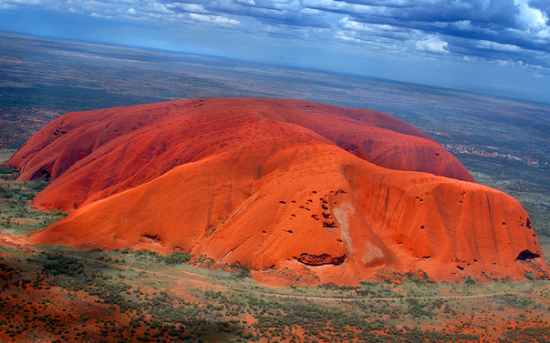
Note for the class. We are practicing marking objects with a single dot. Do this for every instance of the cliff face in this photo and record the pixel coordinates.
(269, 184)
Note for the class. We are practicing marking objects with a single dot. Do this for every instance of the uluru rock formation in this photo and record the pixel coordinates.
(274, 184)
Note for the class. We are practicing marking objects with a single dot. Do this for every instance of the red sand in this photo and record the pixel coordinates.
(266, 184)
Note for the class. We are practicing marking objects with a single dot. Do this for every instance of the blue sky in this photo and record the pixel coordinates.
(499, 46)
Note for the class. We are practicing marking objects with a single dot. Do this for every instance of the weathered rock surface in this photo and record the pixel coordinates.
(269, 184)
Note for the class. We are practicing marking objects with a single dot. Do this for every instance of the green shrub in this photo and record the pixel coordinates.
(242, 271)
(37, 186)
(6, 170)
(177, 258)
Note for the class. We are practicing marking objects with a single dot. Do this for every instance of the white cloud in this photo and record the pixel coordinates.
(215, 19)
(342, 6)
(313, 12)
(503, 63)
(247, 2)
(345, 37)
(518, 64)
(4, 6)
(195, 8)
(497, 46)
(26, 2)
(433, 44)
(534, 20)
(131, 11)
(347, 24)
(154, 6)
(464, 25)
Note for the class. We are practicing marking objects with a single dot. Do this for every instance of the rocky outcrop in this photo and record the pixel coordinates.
(251, 182)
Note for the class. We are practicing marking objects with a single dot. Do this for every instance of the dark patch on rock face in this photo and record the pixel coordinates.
(154, 238)
(318, 260)
(45, 175)
(526, 255)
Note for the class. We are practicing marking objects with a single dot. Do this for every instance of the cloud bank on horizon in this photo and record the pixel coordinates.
(423, 34)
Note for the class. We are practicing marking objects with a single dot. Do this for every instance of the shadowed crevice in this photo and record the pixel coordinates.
(318, 260)
(526, 255)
